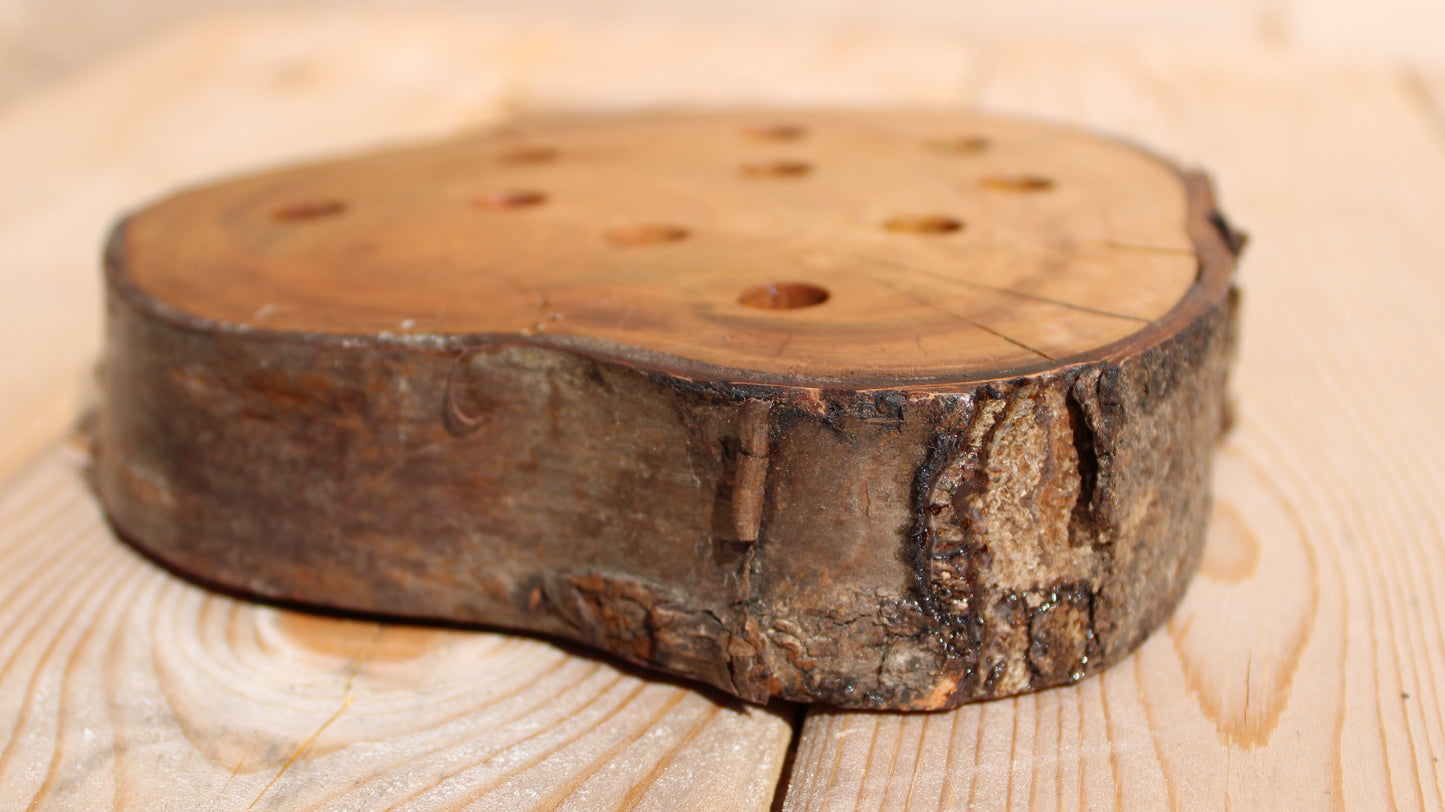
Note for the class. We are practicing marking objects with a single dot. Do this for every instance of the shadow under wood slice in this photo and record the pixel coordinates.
(770, 440)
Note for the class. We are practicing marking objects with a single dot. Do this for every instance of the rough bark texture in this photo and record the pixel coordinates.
(908, 547)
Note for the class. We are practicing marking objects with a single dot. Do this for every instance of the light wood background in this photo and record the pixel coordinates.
(1305, 669)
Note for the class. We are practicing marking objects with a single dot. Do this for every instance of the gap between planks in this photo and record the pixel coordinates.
(1308, 653)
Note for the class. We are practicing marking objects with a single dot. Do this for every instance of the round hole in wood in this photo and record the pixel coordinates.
(783, 296)
(962, 145)
(923, 224)
(310, 210)
(529, 154)
(646, 234)
(512, 199)
(777, 169)
(776, 132)
(1018, 182)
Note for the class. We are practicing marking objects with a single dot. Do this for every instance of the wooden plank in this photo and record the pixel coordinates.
(124, 687)
(42, 40)
(1330, 473)
(1306, 667)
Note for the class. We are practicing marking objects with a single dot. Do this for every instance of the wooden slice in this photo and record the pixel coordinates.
(894, 410)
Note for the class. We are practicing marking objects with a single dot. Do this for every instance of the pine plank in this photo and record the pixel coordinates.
(1306, 667)
(42, 39)
(125, 687)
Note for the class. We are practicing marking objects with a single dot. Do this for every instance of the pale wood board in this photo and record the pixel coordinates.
(43, 39)
(1305, 669)
(124, 687)
(127, 688)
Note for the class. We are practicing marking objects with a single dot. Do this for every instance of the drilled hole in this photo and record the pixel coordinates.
(512, 199)
(964, 145)
(777, 169)
(1019, 182)
(776, 132)
(528, 155)
(310, 210)
(923, 224)
(646, 234)
(783, 296)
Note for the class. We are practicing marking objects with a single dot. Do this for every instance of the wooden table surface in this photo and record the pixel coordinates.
(1305, 669)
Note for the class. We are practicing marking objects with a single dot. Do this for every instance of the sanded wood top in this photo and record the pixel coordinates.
(818, 244)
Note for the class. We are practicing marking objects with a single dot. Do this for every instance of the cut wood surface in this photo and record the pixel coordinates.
(798, 245)
(1304, 669)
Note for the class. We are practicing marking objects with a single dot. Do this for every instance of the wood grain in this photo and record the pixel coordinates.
(936, 244)
(1332, 477)
(1305, 668)
(98, 644)
(124, 687)
(43, 39)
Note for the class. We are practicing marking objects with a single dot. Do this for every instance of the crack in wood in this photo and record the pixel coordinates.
(941, 277)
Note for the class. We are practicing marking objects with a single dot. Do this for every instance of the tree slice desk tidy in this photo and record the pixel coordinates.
(883, 410)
